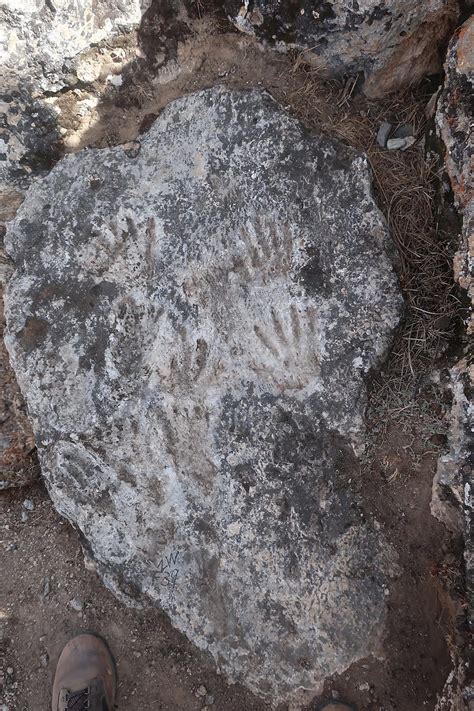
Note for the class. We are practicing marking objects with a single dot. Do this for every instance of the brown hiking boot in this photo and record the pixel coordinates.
(85, 676)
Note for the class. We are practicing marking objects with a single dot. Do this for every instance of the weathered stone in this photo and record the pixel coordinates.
(394, 44)
(40, 37)
(452, 490)
(383, 133)
(192, 325)
(455, 113)
(47, 46)
(452, 500)
(400, 144)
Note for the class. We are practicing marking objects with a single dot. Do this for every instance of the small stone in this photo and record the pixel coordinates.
(115, 80)
(28, 505)
(403, 131)
(24, 516)
(76, 604)
(364, 687)
(201, 691)
(395, 144)
(400, 144)
(9, 671)
(383, 133)
(409, 141)
(210, 700)
(44, 659)
(46, 587)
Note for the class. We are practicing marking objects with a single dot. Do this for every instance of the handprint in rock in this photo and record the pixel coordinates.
(178, 357)
(287, 349)
(267, 250)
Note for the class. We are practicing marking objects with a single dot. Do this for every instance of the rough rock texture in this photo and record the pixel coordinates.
(454, 119)
(192, 324)
(45, 47)
(453, 485)
(394, 44)
(455, 112)
(40, 37)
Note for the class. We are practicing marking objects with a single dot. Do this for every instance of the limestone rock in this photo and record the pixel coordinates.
(40, 37)
(455, 113)
(452, 499)
(394, 44)
(192, 325)
(454, 118)
(453, 484)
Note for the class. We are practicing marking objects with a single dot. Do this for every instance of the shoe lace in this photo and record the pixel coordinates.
(78, 700)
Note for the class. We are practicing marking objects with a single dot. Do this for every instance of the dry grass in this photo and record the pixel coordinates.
(406, 185)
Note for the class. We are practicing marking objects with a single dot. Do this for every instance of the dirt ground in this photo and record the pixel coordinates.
(48, 593)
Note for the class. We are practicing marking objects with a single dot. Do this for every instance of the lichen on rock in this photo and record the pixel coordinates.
(192, 325)
(394, 45)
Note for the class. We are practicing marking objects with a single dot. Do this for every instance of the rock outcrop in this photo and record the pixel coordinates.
(452, 500)
(43, 37)
(394, 44)
(192, 324)
(454, 118)
(453, 485)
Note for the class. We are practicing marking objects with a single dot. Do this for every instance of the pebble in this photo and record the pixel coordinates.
(76, 604)
(9, 671)
(400, 144)
(44, 659)
(403, 131)
(209, 700)
(201, 691)
(46, 587)
(28, 505)
(24, 516)
(383, 133)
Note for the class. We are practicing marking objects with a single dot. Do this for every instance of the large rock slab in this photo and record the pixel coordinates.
(192, 325)
(394, 44)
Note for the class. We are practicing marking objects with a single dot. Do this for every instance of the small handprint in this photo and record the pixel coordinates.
(267, 250)
(287, 348)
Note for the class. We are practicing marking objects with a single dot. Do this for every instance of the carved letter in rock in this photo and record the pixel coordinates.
(192, 327)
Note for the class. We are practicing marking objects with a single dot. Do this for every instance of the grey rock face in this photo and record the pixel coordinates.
(393, 43)
(454, 117)
(42, 36)
(453, 484)
(192, 327)
(45, 47)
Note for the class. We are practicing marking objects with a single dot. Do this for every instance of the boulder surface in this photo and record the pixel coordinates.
(394, 44)
(192, 325)
(41, 37)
